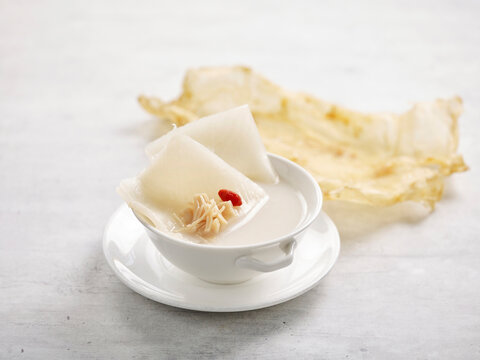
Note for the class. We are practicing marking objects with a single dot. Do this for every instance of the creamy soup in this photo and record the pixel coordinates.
(281, 214)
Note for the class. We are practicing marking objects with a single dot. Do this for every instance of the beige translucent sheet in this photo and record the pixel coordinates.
(378, 159)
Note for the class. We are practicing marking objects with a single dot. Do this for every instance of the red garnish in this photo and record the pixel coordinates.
(228, 195)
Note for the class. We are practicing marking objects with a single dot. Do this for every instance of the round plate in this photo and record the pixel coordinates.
(139, 265)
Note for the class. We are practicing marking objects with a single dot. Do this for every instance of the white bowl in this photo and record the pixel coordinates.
(234, 264)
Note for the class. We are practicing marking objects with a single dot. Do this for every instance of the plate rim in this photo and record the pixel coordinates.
(336, 246)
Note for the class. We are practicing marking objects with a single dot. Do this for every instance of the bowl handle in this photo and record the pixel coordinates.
(251, 263)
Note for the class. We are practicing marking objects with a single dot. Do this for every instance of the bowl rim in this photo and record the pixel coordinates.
(304, 224)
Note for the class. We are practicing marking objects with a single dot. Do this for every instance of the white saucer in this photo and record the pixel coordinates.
(139, 265)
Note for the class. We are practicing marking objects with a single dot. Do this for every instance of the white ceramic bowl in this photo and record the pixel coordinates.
(234, 264)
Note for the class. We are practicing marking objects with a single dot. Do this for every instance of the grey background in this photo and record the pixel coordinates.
(406, 285)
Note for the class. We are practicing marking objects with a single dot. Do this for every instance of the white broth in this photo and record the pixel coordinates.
(281, 214)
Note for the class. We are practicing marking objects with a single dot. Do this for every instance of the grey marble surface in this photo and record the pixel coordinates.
(406, 285)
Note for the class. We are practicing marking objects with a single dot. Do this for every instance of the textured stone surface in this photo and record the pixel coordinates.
(406, 285)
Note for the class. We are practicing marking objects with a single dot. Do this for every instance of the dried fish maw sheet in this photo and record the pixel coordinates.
(378, 159)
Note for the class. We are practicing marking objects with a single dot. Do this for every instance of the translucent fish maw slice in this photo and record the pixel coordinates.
(378, 159)
(233, 136)
(182, 169)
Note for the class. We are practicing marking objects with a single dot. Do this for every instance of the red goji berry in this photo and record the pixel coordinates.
(228, 195)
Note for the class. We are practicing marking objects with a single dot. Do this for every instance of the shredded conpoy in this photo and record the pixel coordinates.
(204, 216)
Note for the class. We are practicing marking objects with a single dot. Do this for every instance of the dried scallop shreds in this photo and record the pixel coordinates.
(378, 159)
(205, 217)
